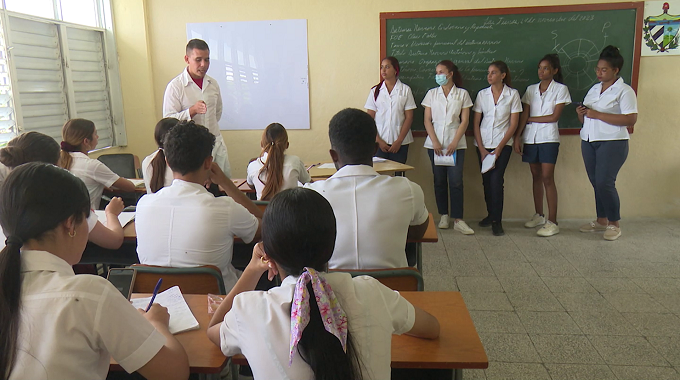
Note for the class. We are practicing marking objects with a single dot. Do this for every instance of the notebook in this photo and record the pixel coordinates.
(488, 163)
(181, 317)
(137, 182)
(446, 159)
(124, 217)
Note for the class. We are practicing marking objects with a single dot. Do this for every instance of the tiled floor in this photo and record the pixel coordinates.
(572, 306)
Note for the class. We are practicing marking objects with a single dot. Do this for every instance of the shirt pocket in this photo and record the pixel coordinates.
(453, 108)
(502, 113)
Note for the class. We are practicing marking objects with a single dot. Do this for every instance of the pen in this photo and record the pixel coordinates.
(313, 165)
(155, 293)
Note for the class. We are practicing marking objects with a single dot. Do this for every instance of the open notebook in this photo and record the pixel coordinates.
(181, 318)
(123, 217)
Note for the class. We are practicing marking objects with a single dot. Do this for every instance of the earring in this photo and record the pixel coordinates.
(72, 233)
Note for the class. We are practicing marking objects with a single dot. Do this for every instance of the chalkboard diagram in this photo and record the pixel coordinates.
(582, 56)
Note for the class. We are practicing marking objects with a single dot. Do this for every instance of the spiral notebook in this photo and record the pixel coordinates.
(181, 317)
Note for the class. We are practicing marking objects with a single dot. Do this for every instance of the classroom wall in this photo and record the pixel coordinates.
(343, 43)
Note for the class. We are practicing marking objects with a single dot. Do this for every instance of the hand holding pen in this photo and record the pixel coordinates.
(155, 293)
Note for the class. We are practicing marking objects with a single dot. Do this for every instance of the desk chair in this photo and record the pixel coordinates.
(125, 165)
(196, 280)
(401, 279)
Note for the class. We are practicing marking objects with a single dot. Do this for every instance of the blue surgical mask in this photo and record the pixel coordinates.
(441, 79)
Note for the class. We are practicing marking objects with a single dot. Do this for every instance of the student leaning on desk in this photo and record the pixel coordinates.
(58, 325)
(316, 324)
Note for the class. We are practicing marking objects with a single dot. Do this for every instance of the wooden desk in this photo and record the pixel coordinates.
(204, 356)
(384, 167)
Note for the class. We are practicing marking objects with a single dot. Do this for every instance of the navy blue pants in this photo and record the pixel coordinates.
(449, 179)
(603, 160)
(400, 156)
(493, 184)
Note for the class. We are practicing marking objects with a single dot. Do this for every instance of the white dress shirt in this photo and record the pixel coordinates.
(147, 172)
(544, 105)
(496, 117)
(618, 99)
(94, 174)
(446, 114)
(72, 325)
(373, 214)
(389, 111)
(182, 93)
(184, 225)
(258, 326)
(294, 173)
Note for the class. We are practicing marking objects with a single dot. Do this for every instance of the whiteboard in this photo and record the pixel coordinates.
(262, 69)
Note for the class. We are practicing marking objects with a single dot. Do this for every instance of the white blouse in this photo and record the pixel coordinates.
(389, 110)
(496, 117)
(94, 174)
(446, 114)
(147, 172)
(544, 105)
(618, 99)
(294, 173)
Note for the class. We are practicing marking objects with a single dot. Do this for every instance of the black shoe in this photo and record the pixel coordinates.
(486, 222)
(497, 229)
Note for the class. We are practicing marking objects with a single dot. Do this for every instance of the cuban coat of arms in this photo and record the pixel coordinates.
(660, 30)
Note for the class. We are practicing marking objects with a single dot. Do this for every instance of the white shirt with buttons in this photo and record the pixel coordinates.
(446, 114)
(94, 174)
(618, 99)
(71, 326)
(544, 105)
(258, 326)
(496, 116)
(294, 173)
(373, 214)
(389, 110)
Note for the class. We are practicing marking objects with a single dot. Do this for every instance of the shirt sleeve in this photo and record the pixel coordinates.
(303, 174)
(628, 102)
(102, 174)
(563, 97)
(130, 339)
(516, 103)
(243, 223)
(370, 101)
(467, 101)
(172, 105)
(399, 311)
(92, 221)
(526, 98)
(427, 100)
(251, 173)
(420, 212)
(229, 337)
(479, 107)
(410, 102)
(219, 105)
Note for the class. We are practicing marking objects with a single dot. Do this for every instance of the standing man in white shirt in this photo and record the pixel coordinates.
(375, 213)
(184, 225)
(193, 95)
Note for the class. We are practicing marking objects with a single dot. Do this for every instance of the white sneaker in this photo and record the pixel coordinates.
(444, 222)
(463, 228)
(548, 229)
(535, 221)
(612, 233)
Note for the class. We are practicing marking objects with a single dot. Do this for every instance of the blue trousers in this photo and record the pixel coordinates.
(603, 160)
(449, 180)
(493, 184)
(400, 156)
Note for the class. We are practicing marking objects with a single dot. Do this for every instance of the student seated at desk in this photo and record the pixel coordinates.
(376, 213)
(184, 225)
(56, 325)
(35, 146)
(155, 171)
(79, 137)
(316, 325)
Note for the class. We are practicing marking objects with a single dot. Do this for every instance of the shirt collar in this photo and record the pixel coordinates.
(355, 170)
(79, 154)
(34, 261)
(440, 90)
(186, 79)
(182, 184)
(397, 86)
(551, 86)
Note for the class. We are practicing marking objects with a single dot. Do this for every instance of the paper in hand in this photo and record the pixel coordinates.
(489, 162)
(446, 159)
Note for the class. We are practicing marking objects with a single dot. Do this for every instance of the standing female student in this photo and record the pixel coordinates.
(497, 110)
(447, 112)
(391, 104)
(341, 326)
(607, 110)
(543, 106)
(55, 324)
(37, 147)
(155, 170)
(274, 170)
(79, 137)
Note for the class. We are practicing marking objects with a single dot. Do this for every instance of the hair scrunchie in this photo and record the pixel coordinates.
(14, 241)
(68, 147)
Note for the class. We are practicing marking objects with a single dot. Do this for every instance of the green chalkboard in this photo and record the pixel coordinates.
(519, 36)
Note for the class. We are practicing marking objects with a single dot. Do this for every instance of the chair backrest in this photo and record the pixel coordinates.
(262, 205)
(195, 280)
(402, 279)
(122, 164)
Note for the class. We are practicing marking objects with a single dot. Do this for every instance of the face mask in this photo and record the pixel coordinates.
(441, 79)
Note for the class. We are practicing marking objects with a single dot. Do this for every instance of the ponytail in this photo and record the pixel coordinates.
(503, 68)
(457, 78)
(72, 134)
(274, 143)
(395, 63)
(28, 210)
(158, 164)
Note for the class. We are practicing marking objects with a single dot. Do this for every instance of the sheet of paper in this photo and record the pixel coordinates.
(445, 160)
(329, 165)
(488, 163)
(137, 182)
(379, 159)
(124, 217)
(181, 317)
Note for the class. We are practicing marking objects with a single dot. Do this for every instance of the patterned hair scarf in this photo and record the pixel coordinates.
(333, 317)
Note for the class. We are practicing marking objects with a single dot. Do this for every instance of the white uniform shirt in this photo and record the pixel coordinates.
(294, 173)
(258, 326)
(618, 99)
(147, 172)
(389, 110)
(94, 174)
(373, 214)
(544, 105)
(72, 325)
(184, 225)
(496, 117)
(182, 93)
(446, 114)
